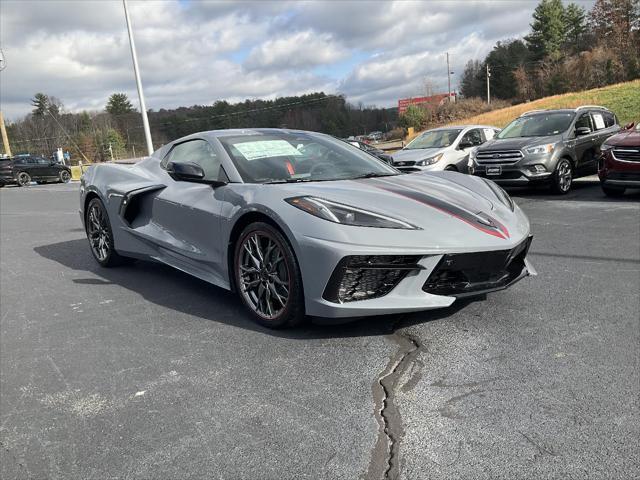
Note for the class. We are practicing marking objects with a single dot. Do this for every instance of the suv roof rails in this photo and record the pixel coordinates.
(581, 107)
(534, 111)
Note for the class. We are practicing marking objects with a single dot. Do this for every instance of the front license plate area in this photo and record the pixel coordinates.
(497, 170)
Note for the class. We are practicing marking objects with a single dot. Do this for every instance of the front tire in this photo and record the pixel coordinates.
(100, 235)
(23, 179)
(267, 277)
(613, 191)
(65, 177)
(562, 177)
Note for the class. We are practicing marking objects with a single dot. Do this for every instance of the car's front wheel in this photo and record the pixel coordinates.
(65, 176)
(562, 177)
(23, 179)
(267, 276)
(100, 235)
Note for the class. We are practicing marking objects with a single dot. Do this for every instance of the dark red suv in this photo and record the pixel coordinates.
(619, 164)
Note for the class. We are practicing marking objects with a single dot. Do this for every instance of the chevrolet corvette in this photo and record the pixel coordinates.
(302, 224)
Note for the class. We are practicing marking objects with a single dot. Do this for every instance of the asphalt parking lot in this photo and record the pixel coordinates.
(144, 372)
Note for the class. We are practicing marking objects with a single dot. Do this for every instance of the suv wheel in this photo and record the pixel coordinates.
(64, 176)
(562, 177)
(23, 179)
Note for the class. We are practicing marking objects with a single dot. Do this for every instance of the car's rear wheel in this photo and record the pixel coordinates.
(562, 177)
(23, 179)
(610, 191)
(267, 276)
(100, 235)
(65, 177)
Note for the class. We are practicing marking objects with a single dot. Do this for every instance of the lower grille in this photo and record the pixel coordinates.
(635, 176)
(627, 154)
(460, 274)
(363, 277)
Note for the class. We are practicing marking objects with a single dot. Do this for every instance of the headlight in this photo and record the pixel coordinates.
(605, 147)
(540, 149)
(346, 215)
(430, 161)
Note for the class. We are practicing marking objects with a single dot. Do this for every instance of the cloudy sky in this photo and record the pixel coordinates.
(193, 52)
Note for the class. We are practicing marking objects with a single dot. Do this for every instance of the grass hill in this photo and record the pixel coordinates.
(623, 99)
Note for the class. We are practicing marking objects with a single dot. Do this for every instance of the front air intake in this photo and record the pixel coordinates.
(363, 277)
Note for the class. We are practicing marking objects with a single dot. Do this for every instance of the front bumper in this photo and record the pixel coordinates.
(511, 175)
(409, 294)
(618, 173)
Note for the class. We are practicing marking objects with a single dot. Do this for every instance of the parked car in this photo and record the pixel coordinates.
(444, 148)
(619, 164)
(375, 136)
(6, 172)
(376, 152)
(546, 146)
(28, 168)
(301, 223)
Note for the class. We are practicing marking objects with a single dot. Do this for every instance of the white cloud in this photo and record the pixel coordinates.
(200, 52)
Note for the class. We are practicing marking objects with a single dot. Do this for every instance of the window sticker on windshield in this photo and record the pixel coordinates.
(598, 120)
(266, 149)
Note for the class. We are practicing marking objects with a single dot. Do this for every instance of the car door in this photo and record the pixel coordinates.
(187, 214)
(47, 168)
(584, 144)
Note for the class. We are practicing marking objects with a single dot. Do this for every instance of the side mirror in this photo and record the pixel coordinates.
(186, 172)
(583, 131)
(463, 145)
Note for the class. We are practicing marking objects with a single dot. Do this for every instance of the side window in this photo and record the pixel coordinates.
(609, 119)
(489, 133)
(196, 151)
(598, 121)
(472, 137)
(584, 121)
(42, 161)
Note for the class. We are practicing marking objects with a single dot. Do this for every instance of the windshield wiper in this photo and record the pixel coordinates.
(289, 180)
(373, 175)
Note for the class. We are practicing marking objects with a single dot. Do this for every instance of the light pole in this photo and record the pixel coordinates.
(134, 57)
(3, 130)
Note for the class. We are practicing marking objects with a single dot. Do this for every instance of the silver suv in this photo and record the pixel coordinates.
(546, 146)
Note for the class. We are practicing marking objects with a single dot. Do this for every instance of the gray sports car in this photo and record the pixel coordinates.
(300, 223)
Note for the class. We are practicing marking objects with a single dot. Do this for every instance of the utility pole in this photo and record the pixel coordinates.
(488, 89)
(3, 130)
(134, 57)
(448, 79)
(5, 138)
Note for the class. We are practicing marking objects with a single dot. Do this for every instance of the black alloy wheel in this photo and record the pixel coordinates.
(100, 235)
(267, 277)
(65, 176)
(23, 179)
(562, 177)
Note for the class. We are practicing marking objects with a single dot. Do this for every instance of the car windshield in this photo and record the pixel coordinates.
(539, 125)
(434, 139)
(283, 157)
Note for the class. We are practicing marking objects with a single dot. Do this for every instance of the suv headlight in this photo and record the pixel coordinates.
(345, 214)
(605, 147)
(548, 148)
(430, 161)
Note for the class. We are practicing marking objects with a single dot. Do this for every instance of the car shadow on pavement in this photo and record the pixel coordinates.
(582, 190)
(178, 291)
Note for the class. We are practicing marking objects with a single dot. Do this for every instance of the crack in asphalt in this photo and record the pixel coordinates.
(384, 463)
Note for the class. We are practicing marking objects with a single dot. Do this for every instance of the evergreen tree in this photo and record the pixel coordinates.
(41, 103)
(575, 25)
(547, 30)
(119, 104)
(472, 81)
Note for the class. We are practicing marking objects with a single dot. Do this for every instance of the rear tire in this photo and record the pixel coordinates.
(610, 191)
(267, 277)
(100, 235)
(562, 177)
(23, 179)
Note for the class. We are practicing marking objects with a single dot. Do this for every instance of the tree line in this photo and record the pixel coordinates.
(567, 49)
(116, 132)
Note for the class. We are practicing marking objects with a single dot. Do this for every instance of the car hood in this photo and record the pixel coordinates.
(626, 138)
(516, 143)
(415, 155)
(441, 202)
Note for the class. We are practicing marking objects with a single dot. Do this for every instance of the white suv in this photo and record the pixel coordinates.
(445, 148)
